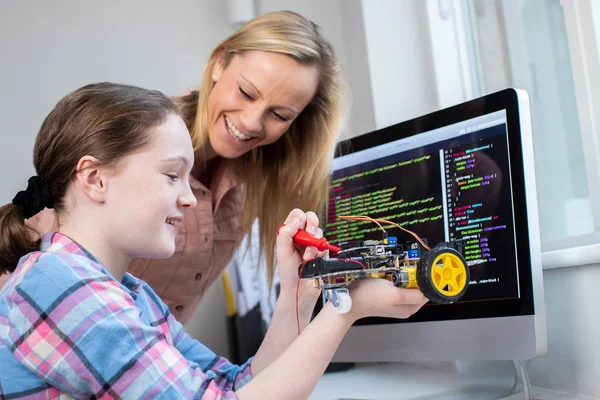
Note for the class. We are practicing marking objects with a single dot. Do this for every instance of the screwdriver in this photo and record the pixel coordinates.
(304, 238)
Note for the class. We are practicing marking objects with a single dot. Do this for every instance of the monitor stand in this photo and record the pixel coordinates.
(481, 380)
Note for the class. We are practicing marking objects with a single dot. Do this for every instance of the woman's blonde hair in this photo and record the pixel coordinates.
(294, 171)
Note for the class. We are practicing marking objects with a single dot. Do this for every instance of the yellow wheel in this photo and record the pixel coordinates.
(443, 275)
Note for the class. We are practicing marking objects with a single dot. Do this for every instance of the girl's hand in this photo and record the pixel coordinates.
(290, 256)
(375, 297)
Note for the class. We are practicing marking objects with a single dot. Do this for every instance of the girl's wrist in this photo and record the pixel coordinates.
(347, 319)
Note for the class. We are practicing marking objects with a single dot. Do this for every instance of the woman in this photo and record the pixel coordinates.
(264, 124)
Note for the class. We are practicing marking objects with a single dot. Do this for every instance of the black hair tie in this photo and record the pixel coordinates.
(35, 198)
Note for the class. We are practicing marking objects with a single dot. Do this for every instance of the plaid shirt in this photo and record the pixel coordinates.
(68, 328)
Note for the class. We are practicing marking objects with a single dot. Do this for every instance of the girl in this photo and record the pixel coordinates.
(113, 162)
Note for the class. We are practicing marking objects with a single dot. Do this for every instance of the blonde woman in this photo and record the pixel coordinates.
(264, 124)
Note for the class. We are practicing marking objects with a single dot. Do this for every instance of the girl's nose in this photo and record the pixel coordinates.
(188, 199)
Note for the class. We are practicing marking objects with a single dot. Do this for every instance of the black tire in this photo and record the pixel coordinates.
(425, 275)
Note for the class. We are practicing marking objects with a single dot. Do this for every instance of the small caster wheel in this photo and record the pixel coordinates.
(341, 301)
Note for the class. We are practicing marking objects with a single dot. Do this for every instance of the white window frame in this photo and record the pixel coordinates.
(454, 72)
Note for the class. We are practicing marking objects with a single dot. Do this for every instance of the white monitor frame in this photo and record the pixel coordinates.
(491, 338)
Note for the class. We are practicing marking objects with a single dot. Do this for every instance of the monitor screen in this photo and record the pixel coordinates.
(460, 173)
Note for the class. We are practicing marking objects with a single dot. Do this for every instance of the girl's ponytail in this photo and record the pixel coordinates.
(16, 239)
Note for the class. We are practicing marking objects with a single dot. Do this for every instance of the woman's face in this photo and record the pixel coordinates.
(255, 100)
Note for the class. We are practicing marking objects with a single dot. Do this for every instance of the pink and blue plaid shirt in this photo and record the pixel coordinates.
(69, 329)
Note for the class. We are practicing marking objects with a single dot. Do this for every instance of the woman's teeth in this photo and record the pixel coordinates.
(235, 131)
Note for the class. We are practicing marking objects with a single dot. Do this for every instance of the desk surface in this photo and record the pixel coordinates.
(383, 381)
(401, 381)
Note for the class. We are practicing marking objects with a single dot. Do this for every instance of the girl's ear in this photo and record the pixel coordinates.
(91, 179)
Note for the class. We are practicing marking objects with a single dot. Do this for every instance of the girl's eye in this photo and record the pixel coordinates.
(245, 94)
(172, 177)
(279, 117)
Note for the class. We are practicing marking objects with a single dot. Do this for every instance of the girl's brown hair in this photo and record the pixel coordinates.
(105, 120)
(294, 171)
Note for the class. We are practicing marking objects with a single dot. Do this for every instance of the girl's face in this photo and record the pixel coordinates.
(255, 100)
(149, 192)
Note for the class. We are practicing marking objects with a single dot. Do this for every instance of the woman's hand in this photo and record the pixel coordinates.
(375, 297)
(290, 256)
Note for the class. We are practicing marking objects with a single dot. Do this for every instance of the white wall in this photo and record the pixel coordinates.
(356, 68)
(398, 48)
(572, 364)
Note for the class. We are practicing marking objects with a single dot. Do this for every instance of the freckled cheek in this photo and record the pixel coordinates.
(144, 189)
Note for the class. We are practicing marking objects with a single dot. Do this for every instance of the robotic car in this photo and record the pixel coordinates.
(441, 272)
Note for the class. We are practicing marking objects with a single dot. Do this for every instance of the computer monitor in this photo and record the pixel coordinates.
(465, 172)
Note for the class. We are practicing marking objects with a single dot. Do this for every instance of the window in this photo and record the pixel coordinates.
(550, 49)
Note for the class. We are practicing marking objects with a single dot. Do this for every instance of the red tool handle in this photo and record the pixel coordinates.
(304, 238)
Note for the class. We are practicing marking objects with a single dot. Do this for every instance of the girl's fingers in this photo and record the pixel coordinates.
(297, 214)
(285, 242)
(312, 222)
